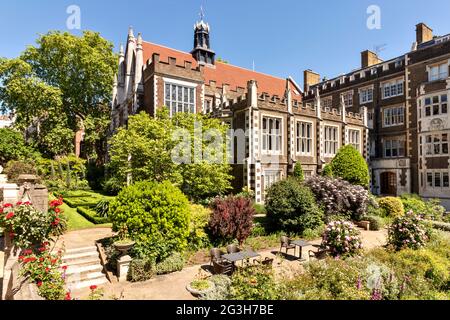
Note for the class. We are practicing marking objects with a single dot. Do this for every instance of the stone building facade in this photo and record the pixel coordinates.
(277, 128)
(408, 119)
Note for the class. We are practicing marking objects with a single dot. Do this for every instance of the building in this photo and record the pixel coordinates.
(408, 119)
(278, 128)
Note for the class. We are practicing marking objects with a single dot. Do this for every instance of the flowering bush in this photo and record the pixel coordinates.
(341, 238)
(407, 231)
(28, 226)
(43, 268)
(339, 197)
(96, 293)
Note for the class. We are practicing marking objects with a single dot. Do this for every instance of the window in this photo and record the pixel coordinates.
(179, 98)
(392, 89)
(327, 102)
(438, 179)
(348, 98)
(394, 148)
(438, 72)
(436, 144)
(394, 116)
(353, 138)
(271, 135)
(435, 105)
(366, 95)
(271, 177)
(331, 140)
(304, 138)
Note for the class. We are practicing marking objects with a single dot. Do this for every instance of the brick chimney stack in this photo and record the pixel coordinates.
(310, 78)
(369, 58)
(423, 33)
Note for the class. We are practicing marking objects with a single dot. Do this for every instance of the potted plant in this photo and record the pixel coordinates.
(124, 243)
(200, 285)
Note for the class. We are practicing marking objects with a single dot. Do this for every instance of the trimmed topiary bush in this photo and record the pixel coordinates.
(173, 263)
(156, 215)
(292, 207)
(140, 270)
(391, 207)
(298, 171)
(232, 218)
(350, 165)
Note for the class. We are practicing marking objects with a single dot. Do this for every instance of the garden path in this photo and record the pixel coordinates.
(172, 286)
(2, 262)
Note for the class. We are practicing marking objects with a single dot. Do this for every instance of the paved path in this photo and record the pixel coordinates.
(173, 286)
(2, 263)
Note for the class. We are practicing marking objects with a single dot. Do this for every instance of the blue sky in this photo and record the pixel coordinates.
(282, 37)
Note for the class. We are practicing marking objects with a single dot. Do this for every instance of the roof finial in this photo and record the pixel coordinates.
(130, 32)
(202, 13)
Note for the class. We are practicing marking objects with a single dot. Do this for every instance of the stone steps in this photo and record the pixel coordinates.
(84, 268)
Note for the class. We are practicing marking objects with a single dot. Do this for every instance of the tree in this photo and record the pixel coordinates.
(349, 165)
(153, 149)
(13, 147)
(298, 171)
(59, 86)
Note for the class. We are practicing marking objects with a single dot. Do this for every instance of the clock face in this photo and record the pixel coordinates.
(436, 124)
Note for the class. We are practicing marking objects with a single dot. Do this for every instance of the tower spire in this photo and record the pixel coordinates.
(202, 49)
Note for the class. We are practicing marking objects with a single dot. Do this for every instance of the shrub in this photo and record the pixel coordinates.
(260, 208)
(373, 208)
(232, 218)
(173, 263)
(376, 222)
(112, 186)
(298, 171)
(14, 169)
(43, 269)
(291, 207)
(391, 207)
(430, 209)
(407, 231)
(198, 237)
(156, 215)
(221, 290)
(342, 239)
(339, 197)
(327, 171)
(350, 165)
(254, 283)
(140, 270)
(28, 226)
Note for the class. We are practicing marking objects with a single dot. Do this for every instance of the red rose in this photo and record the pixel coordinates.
(21, 258)
(57, 210)
(27, 252)
(39, 283)
(10, 215)
(64, 267)
(68, 297)
(19, 203)
(47, 269)
(42, 249)
(7, 205)
(27, 203)
(93, 287)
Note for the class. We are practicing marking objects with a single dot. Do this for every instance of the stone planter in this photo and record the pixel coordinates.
(197, 293)
(124, 247)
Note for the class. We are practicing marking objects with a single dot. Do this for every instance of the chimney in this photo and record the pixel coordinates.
(310, 78)
(423, 33)
(369, 58)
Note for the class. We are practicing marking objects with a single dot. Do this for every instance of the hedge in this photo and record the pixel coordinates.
(91, 215)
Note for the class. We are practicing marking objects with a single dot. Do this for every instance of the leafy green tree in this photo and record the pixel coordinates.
(13, 147)
(59, 86)
(350, 165)
(148, 147)
(298, 171)
(327, 171)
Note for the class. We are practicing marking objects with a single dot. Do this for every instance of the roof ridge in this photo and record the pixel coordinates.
(160, 45)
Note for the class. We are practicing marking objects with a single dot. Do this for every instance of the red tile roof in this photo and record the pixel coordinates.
(224, 73)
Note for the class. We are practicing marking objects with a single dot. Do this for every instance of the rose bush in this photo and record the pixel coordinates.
(342, 239)
(407, 231)
(28, 226)
(44, 269)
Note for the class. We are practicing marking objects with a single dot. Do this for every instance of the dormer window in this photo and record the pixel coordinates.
(438, 72)
(373, 71)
